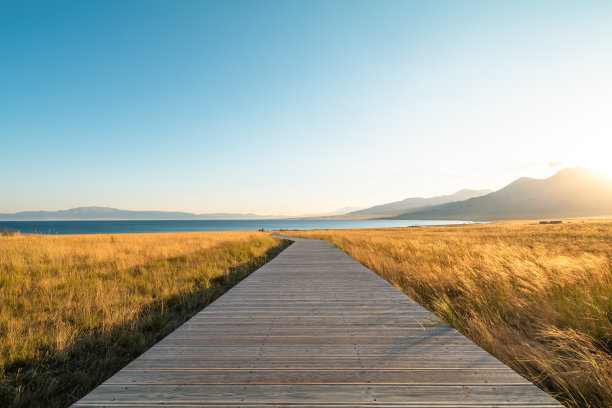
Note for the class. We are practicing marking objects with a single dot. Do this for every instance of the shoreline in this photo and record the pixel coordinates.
(90, 227)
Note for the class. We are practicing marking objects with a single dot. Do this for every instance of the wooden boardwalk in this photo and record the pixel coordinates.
(314, 328)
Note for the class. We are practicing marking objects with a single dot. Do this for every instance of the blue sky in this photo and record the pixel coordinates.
(294, 107)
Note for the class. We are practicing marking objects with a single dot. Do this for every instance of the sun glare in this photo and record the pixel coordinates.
(605, 169)
(598, 163)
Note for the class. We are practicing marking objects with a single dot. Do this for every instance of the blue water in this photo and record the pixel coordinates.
(125, 227)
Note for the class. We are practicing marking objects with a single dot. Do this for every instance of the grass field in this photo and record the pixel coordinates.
(538, 297)
(75, 309)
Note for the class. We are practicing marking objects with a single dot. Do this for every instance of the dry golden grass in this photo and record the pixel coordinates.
(538, 297)
(75, 309)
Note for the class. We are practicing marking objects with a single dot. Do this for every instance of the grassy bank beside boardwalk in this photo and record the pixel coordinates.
(538, 297)
(75, 309)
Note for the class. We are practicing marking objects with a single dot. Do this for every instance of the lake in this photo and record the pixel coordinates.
(140, 226)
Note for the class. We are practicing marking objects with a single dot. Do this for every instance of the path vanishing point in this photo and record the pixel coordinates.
(314, 328)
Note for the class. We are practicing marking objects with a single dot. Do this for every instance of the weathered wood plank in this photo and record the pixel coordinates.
(315, 328)
(245, 376)
(463, 361)
(306, 394)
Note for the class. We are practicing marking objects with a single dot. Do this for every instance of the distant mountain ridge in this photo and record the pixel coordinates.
(410, 204)
(107, 213)
(571, 192)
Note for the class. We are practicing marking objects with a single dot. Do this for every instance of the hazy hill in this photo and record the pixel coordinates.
(410, 204)
(331, 214)
(572, 192)
(106, 213)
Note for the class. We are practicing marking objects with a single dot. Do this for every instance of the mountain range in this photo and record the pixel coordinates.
(572, 192)
(409, 204)
(106, 213)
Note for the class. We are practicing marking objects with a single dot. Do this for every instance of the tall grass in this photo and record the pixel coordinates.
(538, 297)
(75, 309)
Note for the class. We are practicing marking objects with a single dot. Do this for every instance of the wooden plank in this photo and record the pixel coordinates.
(313, 363)
(315, 328)
(301, 351)
(245, 376)
(313, 341)
(308, 394)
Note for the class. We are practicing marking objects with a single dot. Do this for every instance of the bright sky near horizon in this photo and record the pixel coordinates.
(293, 107)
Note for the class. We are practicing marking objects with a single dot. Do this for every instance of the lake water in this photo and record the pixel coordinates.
(125, 227)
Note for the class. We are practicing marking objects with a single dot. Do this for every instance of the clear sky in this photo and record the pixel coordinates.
(290, 107)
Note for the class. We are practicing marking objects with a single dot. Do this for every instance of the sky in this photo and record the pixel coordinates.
(293, 107)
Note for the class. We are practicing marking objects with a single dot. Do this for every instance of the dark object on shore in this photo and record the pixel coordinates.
(551, 222)
(7, 232)
(261, 230)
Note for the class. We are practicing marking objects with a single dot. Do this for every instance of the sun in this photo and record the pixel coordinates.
(593, 156)
(595, 163)
(605, 169)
